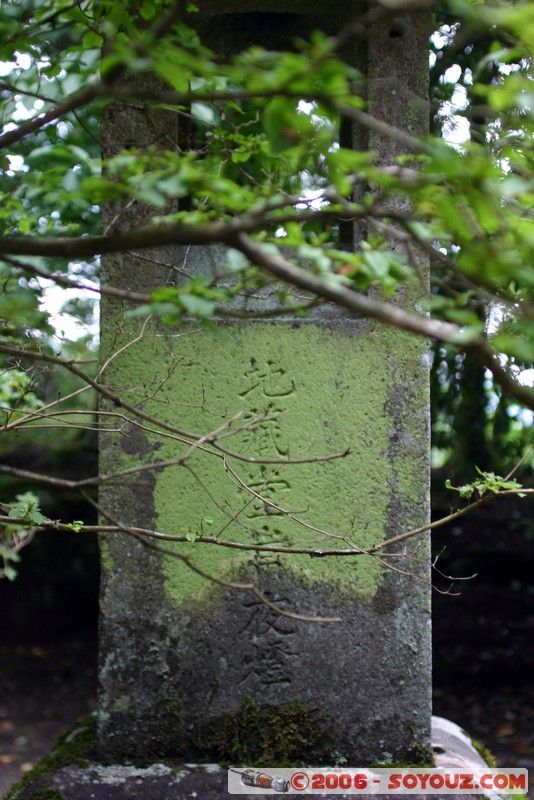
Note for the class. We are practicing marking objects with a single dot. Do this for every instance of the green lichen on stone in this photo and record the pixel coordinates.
(418, 754)
(142, 748)
(122, 703)
(106, 559)
(324, 389)
(73, 747)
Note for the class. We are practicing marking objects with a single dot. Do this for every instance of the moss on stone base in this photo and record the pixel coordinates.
(73, 747)
(485, 753)
(263, 735)
(47, 794)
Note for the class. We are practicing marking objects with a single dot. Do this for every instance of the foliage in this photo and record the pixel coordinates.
(27, 506)
(24, 516)
(261, 164)
(487, 482)
(16, 393)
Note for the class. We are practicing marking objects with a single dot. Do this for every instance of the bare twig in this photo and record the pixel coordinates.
(246, 587)
(283, 511)
(315, 552)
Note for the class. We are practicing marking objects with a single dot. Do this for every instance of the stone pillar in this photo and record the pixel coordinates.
(181, 655)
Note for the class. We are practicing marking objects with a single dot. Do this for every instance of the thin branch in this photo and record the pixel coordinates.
(147, 535)
(446, 332)
(139, 298)
(39, 26)
(365, 305)
(223, 509)
(9, 87)
(33, 355)
(77, 100)
(70, 283)
(304, 460)
(245, 587)
(449, 577)
(137, 239)
(45, 480)
(31, 415)
(438, 523)
(160, 424)
(313, 552)
(283, 511)
(179, 233)
(232, 233)
(65, 527)
(124, 347)
(337, 105)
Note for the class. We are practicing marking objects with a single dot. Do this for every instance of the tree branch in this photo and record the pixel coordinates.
(234, 234)
(75, 101)
(446, 332)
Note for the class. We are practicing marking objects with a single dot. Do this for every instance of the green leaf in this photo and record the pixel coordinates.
(342, 164)
(27, 505)
(204, 113)
(236, 261)
(8, 572)
(285, 126)
(486, 482)
(464, 491)
(90, 39)
(148, 10)
(197, 306)
(76, 525)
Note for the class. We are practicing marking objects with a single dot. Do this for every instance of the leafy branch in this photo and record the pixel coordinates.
(19, 528)
(489, 482)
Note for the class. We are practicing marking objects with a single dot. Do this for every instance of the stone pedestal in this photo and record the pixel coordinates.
(181, 655)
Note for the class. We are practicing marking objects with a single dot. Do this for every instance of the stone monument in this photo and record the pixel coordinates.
(181, 652)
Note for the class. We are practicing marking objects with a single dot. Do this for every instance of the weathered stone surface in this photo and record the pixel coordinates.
(178, 651)
(175, 646)
(452, 749)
